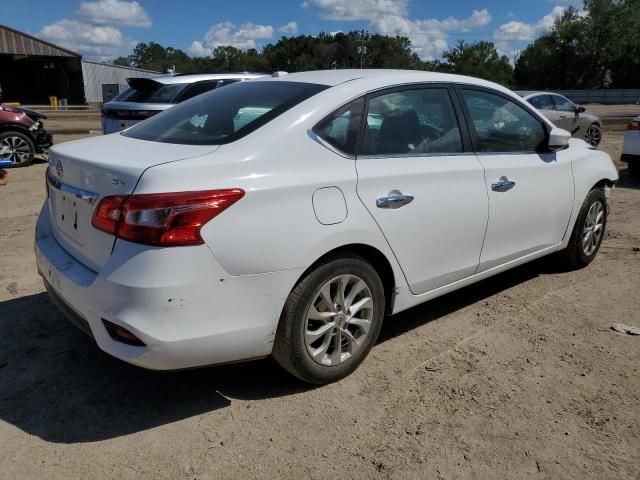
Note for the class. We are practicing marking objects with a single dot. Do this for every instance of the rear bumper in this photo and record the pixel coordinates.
(179, 301)
(115, 125)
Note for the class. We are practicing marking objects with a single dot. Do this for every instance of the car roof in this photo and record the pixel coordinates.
(336, 77)
(533, 93)
(176, 78)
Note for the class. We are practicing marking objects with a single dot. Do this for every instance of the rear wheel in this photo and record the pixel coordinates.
(593, 135)
(330, 321)
(588, 231)
(16, 147)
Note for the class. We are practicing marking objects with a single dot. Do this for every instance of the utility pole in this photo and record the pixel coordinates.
(362, 49)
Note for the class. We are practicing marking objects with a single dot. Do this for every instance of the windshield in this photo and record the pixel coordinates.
(225, 114)
(149, 91)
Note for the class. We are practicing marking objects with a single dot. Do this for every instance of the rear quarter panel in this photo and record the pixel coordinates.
(274, 227)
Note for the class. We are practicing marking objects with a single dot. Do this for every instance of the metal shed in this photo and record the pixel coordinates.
(103, 81)
(32, 70)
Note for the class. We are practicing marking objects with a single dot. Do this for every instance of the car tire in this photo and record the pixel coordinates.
(588, 231)
(22, 148)
(593, 135)
(634, 168)
(306, 342)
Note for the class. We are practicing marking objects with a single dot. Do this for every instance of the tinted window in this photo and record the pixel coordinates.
(564, 104)
(502, 125)
(224, 114)
(340, 129)
(542, 102)
(412, 122)
(151, 92)
(199, 88)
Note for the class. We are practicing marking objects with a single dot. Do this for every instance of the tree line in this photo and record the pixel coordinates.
(593, 48)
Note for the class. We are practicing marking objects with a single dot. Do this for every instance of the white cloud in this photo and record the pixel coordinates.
(429, 38)
(227, 34)
(291, 28)
(99, 42)
(520, 31)
(105, 12)
(357, 9)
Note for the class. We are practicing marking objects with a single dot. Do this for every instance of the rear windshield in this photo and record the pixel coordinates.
(225, 114)
(149, 91)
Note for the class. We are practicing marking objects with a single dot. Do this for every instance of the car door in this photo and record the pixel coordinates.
(567, 113)
(420, 181)
(530, 191)
(545, 105)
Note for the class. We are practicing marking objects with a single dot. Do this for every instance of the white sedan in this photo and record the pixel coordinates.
(289, 215)
(631, 146)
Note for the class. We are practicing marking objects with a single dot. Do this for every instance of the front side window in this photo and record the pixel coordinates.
(564, 104)
(223, 115)
(543, 102)
(502, 125)
(340, 129)
(420, 121)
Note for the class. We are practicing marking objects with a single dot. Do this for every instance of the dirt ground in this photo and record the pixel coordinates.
(519, 376)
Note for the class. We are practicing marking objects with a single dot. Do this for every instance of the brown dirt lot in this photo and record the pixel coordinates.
(519, 376)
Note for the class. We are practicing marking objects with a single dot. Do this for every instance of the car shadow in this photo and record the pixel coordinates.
(627, 180)
(59, 386)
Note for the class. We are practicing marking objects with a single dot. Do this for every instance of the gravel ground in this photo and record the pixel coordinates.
(519, 376)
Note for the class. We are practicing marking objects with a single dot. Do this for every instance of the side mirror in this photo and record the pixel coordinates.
(581, 110)
(558, 139)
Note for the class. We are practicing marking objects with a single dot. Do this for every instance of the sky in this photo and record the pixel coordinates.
(104, 29)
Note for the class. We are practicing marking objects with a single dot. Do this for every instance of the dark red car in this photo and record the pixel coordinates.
(22, 135)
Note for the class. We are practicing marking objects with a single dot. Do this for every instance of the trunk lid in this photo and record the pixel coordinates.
(81, 173)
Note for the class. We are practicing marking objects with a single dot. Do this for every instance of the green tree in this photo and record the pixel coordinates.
(480, 59)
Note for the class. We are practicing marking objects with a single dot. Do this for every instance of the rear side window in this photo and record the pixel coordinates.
(340, 129)
(223, 115)
(502, 125)
(420, 121)
(543, 102)
(150, 92)
(199, 88)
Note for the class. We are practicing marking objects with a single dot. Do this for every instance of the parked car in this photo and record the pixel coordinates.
(567, 115)
(288, 215)
(22, 135)
(148, 96)
(631, 146)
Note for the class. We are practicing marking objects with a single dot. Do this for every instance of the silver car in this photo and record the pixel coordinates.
(150, 95)
(567, 115)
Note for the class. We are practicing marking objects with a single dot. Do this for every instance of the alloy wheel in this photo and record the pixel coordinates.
(338, 320)
(15, 149)
(593, 136)
(593, 228)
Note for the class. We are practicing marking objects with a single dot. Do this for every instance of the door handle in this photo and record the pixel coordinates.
(394, 200)
(503, 184)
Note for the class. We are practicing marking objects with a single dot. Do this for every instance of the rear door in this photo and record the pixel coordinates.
(419, 179)
(530, 191)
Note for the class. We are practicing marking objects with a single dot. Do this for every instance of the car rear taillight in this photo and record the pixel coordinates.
(633, 125)
(164, 219)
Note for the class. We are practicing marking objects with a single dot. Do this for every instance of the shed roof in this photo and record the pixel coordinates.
(13, 42)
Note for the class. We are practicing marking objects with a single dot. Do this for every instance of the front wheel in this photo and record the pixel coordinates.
(330, 321)
(17, 148)
(588, 231)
